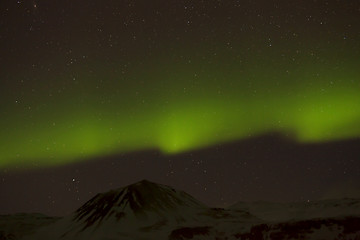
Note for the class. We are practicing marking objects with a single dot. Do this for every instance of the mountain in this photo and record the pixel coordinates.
(335, 219)
(271, 211)
(17, 225)
(143, 210)
(147, 210)
(340, 228)
(142, 202)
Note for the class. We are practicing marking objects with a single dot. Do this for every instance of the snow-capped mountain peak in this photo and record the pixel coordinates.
(143, 201)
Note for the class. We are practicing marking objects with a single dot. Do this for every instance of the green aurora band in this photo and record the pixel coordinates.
(177, 107)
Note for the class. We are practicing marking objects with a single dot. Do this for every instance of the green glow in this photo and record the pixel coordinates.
(182, 109)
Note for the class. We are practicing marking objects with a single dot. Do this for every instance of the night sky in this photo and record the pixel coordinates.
(227, 100)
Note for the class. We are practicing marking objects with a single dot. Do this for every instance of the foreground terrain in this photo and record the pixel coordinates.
(147, 210)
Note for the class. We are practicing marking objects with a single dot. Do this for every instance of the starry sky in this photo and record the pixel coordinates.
(227, 100)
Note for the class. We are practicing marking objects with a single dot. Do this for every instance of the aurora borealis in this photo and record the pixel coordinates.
(87, 80)
(182, 118)
(115, 86)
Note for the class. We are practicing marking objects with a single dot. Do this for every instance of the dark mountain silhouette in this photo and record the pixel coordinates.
(141, 199)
